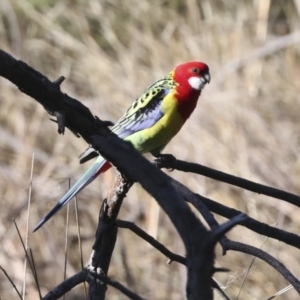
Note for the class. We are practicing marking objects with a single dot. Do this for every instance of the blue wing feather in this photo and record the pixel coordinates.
(145, 117)
(143, 113)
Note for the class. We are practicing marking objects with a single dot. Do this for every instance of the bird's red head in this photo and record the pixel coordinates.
(191, 77)
(193, 74)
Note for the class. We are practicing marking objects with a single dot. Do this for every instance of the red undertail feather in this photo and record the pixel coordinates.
(104, 168)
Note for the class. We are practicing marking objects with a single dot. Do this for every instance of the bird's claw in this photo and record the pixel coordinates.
(167, 161)
(108, 123)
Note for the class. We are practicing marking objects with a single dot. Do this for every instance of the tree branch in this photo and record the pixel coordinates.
(87, 275)
(152, 241)
(277, 265)
(69, 111)
(66, 286)
(160, 247)
(198, 242)
(116, 285)
(230, 179)
(227, 212)
(106, 235)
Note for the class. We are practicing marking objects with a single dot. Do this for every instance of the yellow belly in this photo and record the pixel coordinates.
(160, 134)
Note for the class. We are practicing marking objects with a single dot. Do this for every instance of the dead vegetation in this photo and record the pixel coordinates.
(246, 124)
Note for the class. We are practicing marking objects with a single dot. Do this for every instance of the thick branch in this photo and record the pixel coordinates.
(106, 235)
(82, 276)
(129, 161)
(69, 111)
(190, 197)
(198, 242)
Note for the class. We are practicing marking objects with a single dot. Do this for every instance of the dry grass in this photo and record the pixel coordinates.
(246, 124)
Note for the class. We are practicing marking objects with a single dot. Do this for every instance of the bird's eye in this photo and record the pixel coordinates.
(195, 70)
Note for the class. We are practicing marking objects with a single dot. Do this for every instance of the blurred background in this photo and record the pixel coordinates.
(246, 124)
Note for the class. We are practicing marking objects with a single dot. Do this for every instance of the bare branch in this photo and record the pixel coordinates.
(31, 264)
(230, 179)
(160, 247)
(152, 241)
(106, 234)
(199, 257)
(230, 245)
(199, 242)
(277, 265)
(217, 233)
(116, 285)
(35, 274)
(78, 119)
(11, 281)
(69, 111)
(66, 285)
(87, 275)
(227, 212)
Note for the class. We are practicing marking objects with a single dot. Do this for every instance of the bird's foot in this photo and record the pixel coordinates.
(165, 161)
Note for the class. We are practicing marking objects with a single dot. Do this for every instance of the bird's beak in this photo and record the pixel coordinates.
(207, 77)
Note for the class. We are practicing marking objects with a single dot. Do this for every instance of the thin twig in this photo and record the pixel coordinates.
(248, 270)
(79, 242)
(35, 273)
(27, 225)
(282, 291)
(152, 241)
(240, 247)
(66, 236)
(12, 283)
(26, 254)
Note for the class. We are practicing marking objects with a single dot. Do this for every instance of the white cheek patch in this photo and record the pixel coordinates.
(196, 83)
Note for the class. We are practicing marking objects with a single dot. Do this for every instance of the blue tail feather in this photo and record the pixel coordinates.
(85, 180)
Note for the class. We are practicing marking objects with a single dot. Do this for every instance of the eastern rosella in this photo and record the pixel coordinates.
(151, 121)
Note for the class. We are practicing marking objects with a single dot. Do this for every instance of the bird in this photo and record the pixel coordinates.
(150, 122)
